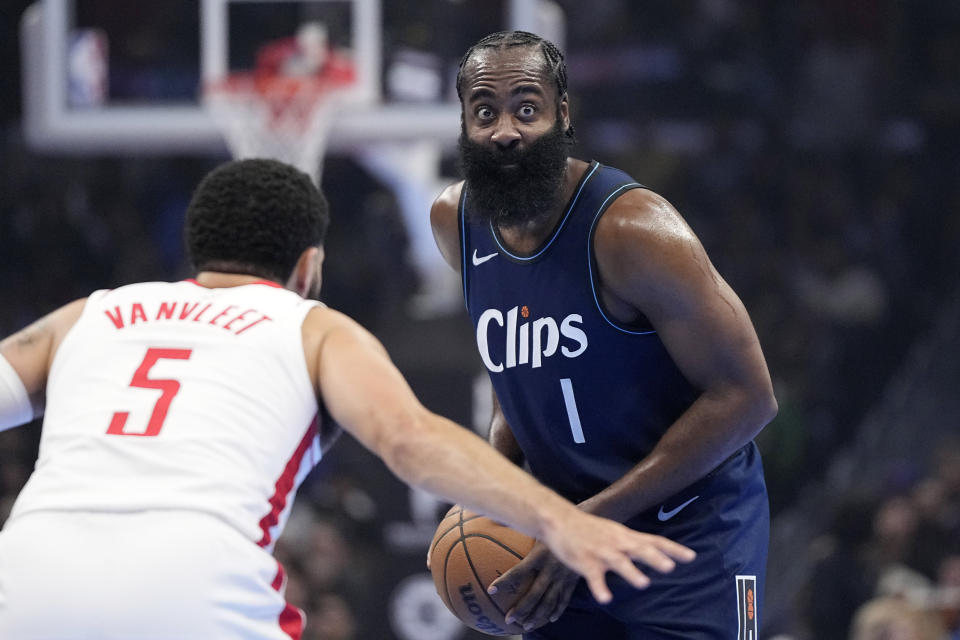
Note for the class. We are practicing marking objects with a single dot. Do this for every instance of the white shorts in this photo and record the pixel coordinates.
(163, 575)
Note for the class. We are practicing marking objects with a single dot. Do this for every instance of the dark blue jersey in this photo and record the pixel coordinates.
(586, 397)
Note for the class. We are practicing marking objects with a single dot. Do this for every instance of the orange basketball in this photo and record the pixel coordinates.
(468, 552)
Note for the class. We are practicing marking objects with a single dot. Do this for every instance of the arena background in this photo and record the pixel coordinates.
(812, 145)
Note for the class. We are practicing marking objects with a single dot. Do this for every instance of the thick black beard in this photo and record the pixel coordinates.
(517, 195)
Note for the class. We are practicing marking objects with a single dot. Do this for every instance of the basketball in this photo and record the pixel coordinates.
(468, 552)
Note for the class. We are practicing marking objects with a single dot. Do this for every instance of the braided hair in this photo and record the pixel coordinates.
(555, 64)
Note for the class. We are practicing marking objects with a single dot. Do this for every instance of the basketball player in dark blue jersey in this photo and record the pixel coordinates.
(627, 373)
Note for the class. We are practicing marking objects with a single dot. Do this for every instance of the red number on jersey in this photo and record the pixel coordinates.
(140, 379)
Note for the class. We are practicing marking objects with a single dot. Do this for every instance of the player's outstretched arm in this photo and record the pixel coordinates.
(368, 397)
(29, 354)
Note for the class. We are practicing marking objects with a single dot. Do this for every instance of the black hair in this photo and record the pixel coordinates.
(255, 217)
(553, 59)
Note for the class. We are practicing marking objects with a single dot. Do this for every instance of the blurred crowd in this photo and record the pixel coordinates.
(889, 564)
(812, 145)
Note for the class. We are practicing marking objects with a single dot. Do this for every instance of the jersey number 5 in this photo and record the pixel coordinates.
(140, 379)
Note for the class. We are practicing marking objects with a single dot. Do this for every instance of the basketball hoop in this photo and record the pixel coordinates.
(271, 115)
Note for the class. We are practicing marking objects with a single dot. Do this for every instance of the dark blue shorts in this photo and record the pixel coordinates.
(716, 597)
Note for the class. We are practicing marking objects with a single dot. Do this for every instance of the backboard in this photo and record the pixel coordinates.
(126, 78)
(117, 77)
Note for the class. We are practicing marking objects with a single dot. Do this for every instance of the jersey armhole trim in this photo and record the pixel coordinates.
(590, 260)
(462, 227)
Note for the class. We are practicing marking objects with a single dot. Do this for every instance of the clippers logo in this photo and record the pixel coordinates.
(480, 620)
(530, 342)
(747, 608)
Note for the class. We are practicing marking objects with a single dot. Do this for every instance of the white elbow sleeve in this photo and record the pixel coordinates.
(15, 407)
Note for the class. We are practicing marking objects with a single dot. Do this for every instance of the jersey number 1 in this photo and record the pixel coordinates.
(566, 386)
(140, 379)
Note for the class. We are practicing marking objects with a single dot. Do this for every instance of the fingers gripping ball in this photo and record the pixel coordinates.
(468, 552)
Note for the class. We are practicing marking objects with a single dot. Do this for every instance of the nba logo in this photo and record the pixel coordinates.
(747, 608)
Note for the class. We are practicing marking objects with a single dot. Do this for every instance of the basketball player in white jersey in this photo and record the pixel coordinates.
(180, 418)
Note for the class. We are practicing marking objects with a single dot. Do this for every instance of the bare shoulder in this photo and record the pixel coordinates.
(641, 216)
(322, 322)
(324, 325)
(644, 248)
(446, 204)
(643, 227)
(446, 229)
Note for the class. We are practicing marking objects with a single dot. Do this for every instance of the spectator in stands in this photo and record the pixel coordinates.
(895, 619)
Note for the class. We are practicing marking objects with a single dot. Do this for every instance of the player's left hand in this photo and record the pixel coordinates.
(547, 596)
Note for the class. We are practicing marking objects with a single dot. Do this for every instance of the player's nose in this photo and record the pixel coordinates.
(505, 133)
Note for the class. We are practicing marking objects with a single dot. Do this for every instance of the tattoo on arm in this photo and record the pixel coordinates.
(30, 336)
(26, 338)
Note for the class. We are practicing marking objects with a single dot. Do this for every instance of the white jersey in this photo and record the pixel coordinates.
(173, 396)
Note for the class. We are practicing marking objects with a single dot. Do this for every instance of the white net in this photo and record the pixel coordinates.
(274, 116)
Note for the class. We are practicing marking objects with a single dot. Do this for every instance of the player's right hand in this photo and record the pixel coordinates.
(591, 546)
(551, 585)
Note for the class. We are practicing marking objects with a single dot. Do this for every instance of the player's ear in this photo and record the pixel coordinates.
(564, 112)
(305, 278)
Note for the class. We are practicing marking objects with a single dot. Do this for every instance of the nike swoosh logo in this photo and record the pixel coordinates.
(663, 516)
(478, 261)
